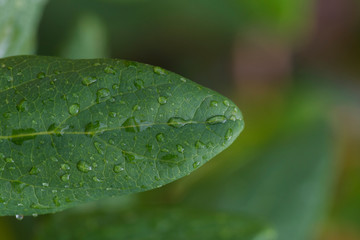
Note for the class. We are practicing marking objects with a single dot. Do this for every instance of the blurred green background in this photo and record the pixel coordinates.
(291, 66)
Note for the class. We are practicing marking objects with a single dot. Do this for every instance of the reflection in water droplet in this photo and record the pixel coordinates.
(216, 119)
(229, 134)
(87, 81)
(160, 137)
(118, 168)
(84, 166)
(74, 109)
(22, 106)
(41, 75)
(19, 217)
(159, 70)
(177, 122)
(162, 100)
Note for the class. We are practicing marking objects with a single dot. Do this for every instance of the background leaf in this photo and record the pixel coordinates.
(73, 131)
(18, 26)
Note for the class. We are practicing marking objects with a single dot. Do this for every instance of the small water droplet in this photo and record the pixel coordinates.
(177, 122)
(102, 94)
(56, 201)
(19, 217)
(45, 184)
(56, 72)
(196, 164)
(180, 148)
(213, 103)
(84, 166)
(74, 109)
(34, 214)
(112, 114)
(96, 179)
(118, 168)
(139, 83)
(183, 79)
(162, 100)
(160, 137)
(65, 177)
(65, 166)
(136, 107)
(115, 86)
(233, 118)
(110, 70)
(40, 75)
(99, 148)
(216, 119)
(229, 134)
(22, 106)
(112, 142)
(199, 145)
(34, 171)
(9, 160)
(87, 81)
(159, 70)
(226, 103)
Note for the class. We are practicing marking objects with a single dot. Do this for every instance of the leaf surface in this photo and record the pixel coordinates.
(73, 131)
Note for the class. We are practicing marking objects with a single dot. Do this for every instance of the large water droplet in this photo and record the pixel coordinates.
(87, 81)
(102, 94)
(177, 122)
(22, 106)
(160, 137)
(74, 109)
(216, 119)
(84, 166)
(162, 100)
(159, 70)
(19, 217)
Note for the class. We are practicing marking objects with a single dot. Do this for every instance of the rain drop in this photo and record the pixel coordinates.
(22, 106)
(99, 148)
(199, 145)
(160, 137)
(162, 100)
(226, 103)
(177, 122)
(74, 109)
(196, 164)
(216, 119)
(180, 148)
(19, 217)
(34, 171)
(229, 134)
(110, 70)
(84, 166)
(65, 166)
(102, 94)
(159, 70)
(213, 103)
(65, 177)
(139, 83)
(118, 168)
(87, 81)
(40, 75)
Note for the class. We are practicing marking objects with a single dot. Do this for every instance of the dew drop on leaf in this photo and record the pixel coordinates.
(160, 137)
(65, 177)
(196, 164)
(159, 70)
(110, 70)
(213, 103)
(226, 103)
(177, 122)
(9, 160)
(84, 166)
(22, 106)
(102, 94)
(34, 171)
(74, 109)
(216, 119)
(162, 100)
(40, 75)
(19, 217)
(87, 81)
(180, 148)
(139, 83)
(118, 168)
(199, 145)
(229, 134)
(65, 166)
(99, 148)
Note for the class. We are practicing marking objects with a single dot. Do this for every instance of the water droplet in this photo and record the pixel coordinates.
(22, 106)
(133, 125)
(57, 72)
(196, 164)
(112, 142)
(65, 166)
(87, 81)
(129, 157)
(65, 177)
(160, 137)
(180, 148)
(159, 70)
(233, 118)
(34, 171)
(19, 217)
(56, 201)
(18, 186)
(98, 148)
(183, 79)
(213, 103)
(226, 103)
(96, 179)
(115, 86)
(34, 214)
(139, 83)
(162, 100)
(136, 107)
(110, 70)
(216, 119)
(38, 206)
(74, 109)
(118, 168)
(9, 160)
(22, 135)
(93, 127)
(177, 122)
(199, 145)
(112, 114)
(84, 166)
(102, 94)
(229, 134)
(45, 184)
(41, 75)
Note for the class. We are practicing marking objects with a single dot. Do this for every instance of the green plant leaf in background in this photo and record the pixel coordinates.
(153, 224)
(73, 131)
(18, 26)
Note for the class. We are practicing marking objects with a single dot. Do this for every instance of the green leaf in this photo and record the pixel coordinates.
(18, 24)
(73, 131)
(154, 224)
